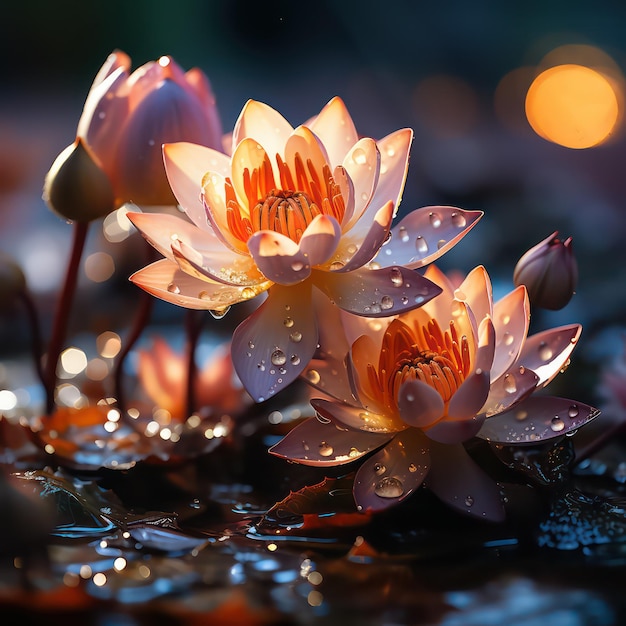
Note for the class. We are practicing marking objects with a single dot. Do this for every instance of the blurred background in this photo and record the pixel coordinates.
(491, 130)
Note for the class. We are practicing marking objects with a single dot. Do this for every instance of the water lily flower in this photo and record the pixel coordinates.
(293, 210)
(416, 386)
(128, 117)
(549, 271)
(162, 373)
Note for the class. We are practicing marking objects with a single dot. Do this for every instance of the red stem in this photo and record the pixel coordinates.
(193, 327)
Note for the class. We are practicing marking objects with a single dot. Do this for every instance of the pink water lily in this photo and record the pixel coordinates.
(290, 211)
(419, 384)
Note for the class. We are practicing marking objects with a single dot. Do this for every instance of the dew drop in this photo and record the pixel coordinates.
(313, 376)
(521, 415)
(353, 453)
(295, 359)
(325, 449)
(336, 266)
(404, 300)
(509, 384)
(573, 411)
(420, 245)
(261, 366)
(545, 352)
(218, 314)
(395, 274)
(173, 288)
(505, 319)
(379, 469)
(412, 468)
(435, 219)
(557, 424)
(359, 156)
(507, 339)
(305, 445)
(297, 266)
(251, 344)
(389, 487)
(403, 234)
(278, 357)
(247, 293)
(391, 152)
(296, 336)
(288, 322)
(386, 303)
(441, 243)
(458, 220)
(351, 249)
(469, 501)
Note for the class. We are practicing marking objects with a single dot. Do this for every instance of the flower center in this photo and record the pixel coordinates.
(422, 352)
(288, 207)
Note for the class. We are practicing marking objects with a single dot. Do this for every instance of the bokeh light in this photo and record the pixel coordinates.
(572, 105)
(99, 267)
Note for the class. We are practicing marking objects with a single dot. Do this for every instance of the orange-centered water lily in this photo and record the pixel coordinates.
(419, 384)
(290, 211)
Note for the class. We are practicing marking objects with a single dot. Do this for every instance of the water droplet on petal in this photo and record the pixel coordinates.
(173, 288)
(435, 219)
(218, 314)
(278, 357)
(420, 245)
(509, 383)
(458, 220)
(386, 303)
(251, 344)
(507, 339)
(288, 322)
(557, 424)
(379, 469)
(403, 234)
(295, 359)
(573, 411)
(469, 501)
(296, 336)
(412, 468)
(336, 266)
(389, 487)
(521, 415)
(359, 156)
(325, 449)
(441, 243)
(353, 453)
(297, 266)
(545, 352)
(313, 376)
(505, 319)
(395, 274)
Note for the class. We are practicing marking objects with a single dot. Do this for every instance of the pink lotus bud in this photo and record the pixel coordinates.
(549, 271)
(127, 118)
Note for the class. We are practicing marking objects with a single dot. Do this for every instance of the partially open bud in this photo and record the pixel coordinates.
(549, 271)
(76, 188)
(12, 280)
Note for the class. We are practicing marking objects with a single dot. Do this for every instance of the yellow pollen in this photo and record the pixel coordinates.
(289, 207)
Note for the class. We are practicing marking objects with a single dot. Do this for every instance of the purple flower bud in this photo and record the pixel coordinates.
(549, 271)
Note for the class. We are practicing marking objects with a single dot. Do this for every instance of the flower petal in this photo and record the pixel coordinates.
(536, 419)
(476, 292)
(354, 252)
(186, 164)
(279, 258)
(363, 166)
(265, 125)
(508, 390)
(249, 156)
(453, 432)
(304, 146)
(420, 405)
(355, 417)
(393, 473)
(427, 233)
(460, 483)
(325, 443)
(165, 280)
(511, 318)
(376, 293)
(333, 116)
(320, 239)
(547, 352)
(329, 377)
(272, 346)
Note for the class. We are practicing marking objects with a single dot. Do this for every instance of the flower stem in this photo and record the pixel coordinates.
(62, 314)
(193, 327)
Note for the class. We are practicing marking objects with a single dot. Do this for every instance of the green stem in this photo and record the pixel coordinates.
(62, 314)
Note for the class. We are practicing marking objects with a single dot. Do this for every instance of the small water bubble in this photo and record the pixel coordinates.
(469, 501)
(458, 220)
(359, 156)
(404, 300)
(288, 322)
(313, 376)
(507, 339)
(297, 266)
(505, 319)
(305, 445)
(441, 243)
(353, 453)
(325, 449)
(545, 352)
(386, 303)
(173, 288)
(295, 359)
(379, 469)
(261, 366)
(391, 152)
(251, 344)
(218, 314)
(395, 274)
(521, 415)
(435, 219)
(403, 234)
(351, 249)
(296, 336)
(336, 266)
(412, 468)
(389, 487)
(421, 245)
(557, 424)
(573, 411)
(509, 383)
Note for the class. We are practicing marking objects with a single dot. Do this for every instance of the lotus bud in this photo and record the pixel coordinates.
(76, 188)
(549, 271)
(12, 280)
